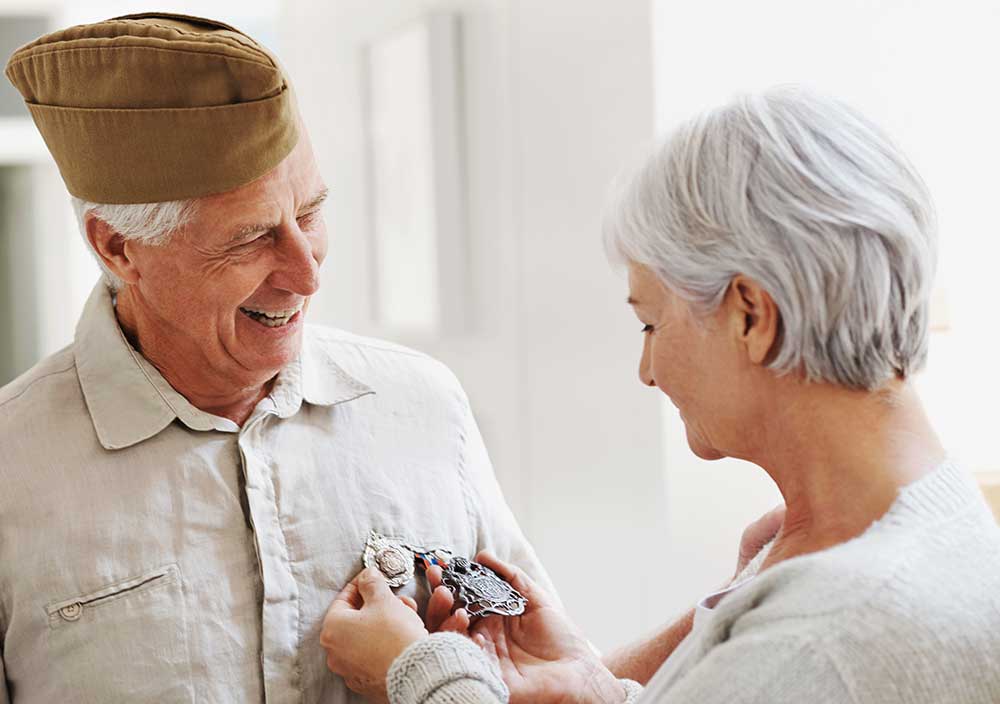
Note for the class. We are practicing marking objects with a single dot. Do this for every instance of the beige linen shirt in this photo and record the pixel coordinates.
(151, 552)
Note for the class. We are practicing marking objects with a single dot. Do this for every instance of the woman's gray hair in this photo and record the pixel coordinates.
(151, 223)
(810, 199)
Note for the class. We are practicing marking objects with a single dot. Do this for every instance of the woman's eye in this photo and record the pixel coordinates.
(647, 329)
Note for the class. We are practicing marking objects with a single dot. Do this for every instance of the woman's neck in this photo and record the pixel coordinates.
(840, 458)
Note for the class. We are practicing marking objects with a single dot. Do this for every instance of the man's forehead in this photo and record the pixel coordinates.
(251, 214)
(265, 195)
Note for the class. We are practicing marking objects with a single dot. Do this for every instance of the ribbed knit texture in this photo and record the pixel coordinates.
(445, 668)
(632, 691)
(906, 613)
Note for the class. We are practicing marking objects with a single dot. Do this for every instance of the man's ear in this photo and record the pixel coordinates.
(111, 248)
(756, 318)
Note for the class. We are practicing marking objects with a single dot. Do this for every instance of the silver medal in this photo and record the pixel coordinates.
(391, 557)
(480, 590)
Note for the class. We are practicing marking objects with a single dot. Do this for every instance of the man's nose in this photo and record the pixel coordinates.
(298, 270)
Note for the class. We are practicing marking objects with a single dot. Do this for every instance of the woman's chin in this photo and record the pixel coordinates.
(703, 450)
(706, 453)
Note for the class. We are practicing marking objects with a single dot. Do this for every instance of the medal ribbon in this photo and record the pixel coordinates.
(429, 559)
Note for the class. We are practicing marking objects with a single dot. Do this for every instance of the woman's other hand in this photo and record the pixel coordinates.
(365, 629)
(757, 535)
(543, 658)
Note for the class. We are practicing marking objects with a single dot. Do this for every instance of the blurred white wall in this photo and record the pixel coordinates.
(557, 96)
(926, 71)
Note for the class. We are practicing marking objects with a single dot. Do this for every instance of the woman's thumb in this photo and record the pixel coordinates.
(373, 586)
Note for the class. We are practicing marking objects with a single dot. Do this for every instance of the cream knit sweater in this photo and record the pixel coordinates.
(907, 612)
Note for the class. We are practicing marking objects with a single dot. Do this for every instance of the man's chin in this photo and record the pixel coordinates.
(270, 353)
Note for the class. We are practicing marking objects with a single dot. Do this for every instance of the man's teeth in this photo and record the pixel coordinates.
(272, 319)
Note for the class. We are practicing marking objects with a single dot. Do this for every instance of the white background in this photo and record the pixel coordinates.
(559, 95)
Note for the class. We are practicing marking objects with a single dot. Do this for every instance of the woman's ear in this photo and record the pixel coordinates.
(755, 317)
(111, 247)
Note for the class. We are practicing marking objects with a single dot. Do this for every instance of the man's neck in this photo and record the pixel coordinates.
(841, 460)
(190, 375)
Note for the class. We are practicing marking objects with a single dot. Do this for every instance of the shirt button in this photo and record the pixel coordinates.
(71, 612)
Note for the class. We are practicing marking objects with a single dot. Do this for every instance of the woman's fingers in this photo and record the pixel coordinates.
(409, 601)
(458, 622)
(434, 576)
(349, 597)
(493, 630)
(438, 608)
(487, 645)
(516, 577)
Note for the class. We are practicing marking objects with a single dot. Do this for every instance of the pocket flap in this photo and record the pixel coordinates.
(70, 609)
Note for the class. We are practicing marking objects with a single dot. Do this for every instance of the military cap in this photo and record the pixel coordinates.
(154, 107)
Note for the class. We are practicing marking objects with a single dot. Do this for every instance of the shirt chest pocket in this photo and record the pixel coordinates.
(124, 642)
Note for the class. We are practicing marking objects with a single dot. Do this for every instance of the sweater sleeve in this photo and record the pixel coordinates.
(758, 670)
(445, 668)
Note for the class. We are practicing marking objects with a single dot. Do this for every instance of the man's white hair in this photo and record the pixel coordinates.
(810, 199)
(152, 223)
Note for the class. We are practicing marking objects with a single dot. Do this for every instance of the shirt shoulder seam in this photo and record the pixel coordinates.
(331, 337)
(35, 381)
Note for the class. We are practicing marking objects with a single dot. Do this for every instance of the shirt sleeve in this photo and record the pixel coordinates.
(754, 669)
(497, 529)
(445, 668)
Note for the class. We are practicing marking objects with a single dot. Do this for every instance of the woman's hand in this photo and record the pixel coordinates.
(543, 658)
(757, 535)
(365, 629)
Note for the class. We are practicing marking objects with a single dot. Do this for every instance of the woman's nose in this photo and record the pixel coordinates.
(646, 365)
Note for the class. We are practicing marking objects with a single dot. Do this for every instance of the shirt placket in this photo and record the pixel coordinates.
(280, 605)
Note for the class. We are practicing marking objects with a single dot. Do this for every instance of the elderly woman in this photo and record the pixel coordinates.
(780, 253)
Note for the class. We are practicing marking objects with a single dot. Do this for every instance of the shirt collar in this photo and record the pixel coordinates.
(130, 401)
(324, 382)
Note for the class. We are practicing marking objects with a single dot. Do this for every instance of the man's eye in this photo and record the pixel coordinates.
(307, 220)
(250, 244)
(647, 329)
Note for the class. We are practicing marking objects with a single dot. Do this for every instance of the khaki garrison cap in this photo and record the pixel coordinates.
(155, 107)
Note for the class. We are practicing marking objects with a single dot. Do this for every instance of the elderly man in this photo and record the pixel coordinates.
(185, 488)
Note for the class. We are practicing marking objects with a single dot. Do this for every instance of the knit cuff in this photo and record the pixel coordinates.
(437, 661)
(632, 691)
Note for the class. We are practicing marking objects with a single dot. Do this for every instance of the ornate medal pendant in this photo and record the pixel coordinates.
(480, 590)
(392, 558)
(476, 588)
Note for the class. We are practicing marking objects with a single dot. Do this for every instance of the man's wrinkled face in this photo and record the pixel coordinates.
(230, 290)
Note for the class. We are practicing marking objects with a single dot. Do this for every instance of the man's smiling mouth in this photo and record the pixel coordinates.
(271, 318)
